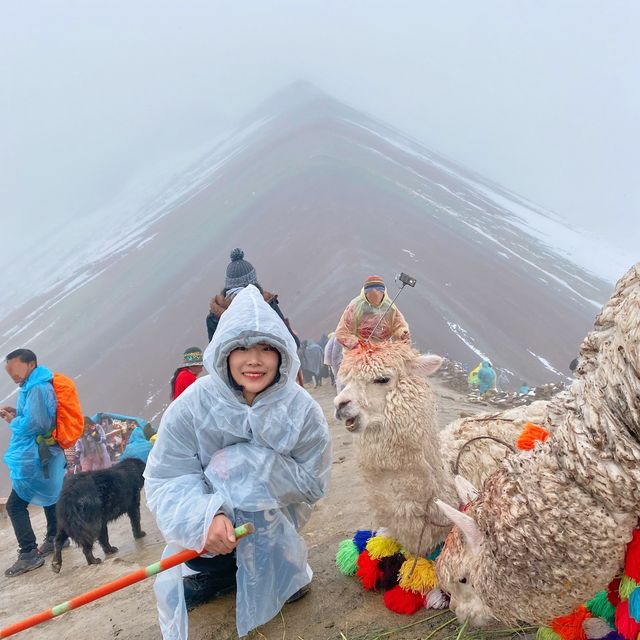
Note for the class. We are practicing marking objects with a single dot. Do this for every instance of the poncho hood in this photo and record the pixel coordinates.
(248, 321)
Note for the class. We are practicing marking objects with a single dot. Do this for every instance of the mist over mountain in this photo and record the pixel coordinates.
(319, 196)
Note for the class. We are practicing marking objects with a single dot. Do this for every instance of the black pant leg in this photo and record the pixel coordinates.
(52, 522)
(19, 516)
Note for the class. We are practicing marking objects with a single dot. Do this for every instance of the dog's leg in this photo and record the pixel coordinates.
(134, 516)
(103, 539)
(87, 549)
(60, 539)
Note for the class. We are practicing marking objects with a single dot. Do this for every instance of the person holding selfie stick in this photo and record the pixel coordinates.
(371, 317)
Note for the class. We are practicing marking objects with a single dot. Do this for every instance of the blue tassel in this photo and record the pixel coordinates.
(361, 538)
(634, 604)
(435, 553)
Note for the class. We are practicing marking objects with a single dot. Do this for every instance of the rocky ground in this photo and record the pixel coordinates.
(336, 609)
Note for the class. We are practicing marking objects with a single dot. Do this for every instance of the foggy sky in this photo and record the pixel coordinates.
(540, 96)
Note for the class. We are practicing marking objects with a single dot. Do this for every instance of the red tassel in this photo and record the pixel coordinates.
(531, 433)
(632, 561)
(368, 571)
(570, 627)
(399, 600)
(613, 595)
(627, 627)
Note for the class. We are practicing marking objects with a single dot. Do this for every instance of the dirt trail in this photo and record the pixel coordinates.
(336, 605)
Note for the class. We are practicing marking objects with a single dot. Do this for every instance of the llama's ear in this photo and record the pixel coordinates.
(426, 365)
(465, 523)
(466, 491)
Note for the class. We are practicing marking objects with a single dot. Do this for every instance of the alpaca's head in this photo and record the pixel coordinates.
(455, 568)
(369, 374)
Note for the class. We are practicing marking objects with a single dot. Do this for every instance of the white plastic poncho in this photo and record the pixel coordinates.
(266, 463)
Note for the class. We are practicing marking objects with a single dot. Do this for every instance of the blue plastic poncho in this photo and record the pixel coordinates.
(266, 463)
(486, 377)
(35, 415)
(137, 446)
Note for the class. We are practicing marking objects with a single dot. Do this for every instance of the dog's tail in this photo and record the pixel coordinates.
(79, 513)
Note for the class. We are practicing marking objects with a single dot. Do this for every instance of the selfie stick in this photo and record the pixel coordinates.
(406, 280)
(115, 585)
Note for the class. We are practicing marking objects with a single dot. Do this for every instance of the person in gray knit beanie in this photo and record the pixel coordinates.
(240, 272)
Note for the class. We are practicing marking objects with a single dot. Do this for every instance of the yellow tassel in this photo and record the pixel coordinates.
(423, 578)
(382, 547)
(545, 633)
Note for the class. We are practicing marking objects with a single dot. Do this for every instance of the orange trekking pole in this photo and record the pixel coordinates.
(111, 587)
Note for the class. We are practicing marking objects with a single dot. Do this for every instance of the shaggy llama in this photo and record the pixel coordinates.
(404, 459)
(550, 528)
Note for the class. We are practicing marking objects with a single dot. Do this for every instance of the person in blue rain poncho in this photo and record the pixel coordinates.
(137, 446)
(36, 469)
(243, 444)
(486, 377)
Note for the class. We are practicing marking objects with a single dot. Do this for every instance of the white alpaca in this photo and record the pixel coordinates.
(405, 461)
(550, 528)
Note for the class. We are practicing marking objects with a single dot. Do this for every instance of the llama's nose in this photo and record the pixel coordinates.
(341, 407)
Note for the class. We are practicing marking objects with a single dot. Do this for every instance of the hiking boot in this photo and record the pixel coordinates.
(203, 587)
(47, 546)
(299, 594)
(27, 561)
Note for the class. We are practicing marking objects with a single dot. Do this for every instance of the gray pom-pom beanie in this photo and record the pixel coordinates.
(240, 273)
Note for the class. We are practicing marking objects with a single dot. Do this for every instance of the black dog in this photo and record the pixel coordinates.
(90, 500)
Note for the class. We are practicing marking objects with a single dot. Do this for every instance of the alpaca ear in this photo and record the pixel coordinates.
(426, 365)
(465, 523)
(466, 491)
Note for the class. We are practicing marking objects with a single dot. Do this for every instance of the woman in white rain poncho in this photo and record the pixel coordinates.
(265, 461)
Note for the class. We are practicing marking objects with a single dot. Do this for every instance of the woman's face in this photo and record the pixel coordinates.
(254, 368)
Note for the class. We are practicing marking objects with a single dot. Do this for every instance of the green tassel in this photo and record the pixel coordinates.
(600, 607)
(627, 585)
(347, 557)
(546, 633)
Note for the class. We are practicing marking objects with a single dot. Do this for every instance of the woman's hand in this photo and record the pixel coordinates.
(220, 538)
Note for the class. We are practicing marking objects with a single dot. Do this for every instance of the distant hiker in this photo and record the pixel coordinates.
(34, 416)
(187, 373)
(324, 338)
(313, 359)
(246, 444)
(486, 377)
(472, 379)
(240, 273)
(333, 357)
(361, 319)
(137, 446)
(524, 389)
(92, 447)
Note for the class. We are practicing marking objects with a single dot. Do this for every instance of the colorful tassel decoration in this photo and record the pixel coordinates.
(531, 433)
(368, 571)
(433, 556)
(380, 547)
(596, 628)
(545, 633)
(613, 591)
(627, 585)
(400, 600)
(634, 604)
(423, 577)
(632, 560)
(600, 607)
(627, 627)
(390, 567)
(570, 627)
(361, 538)
(347, 557)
